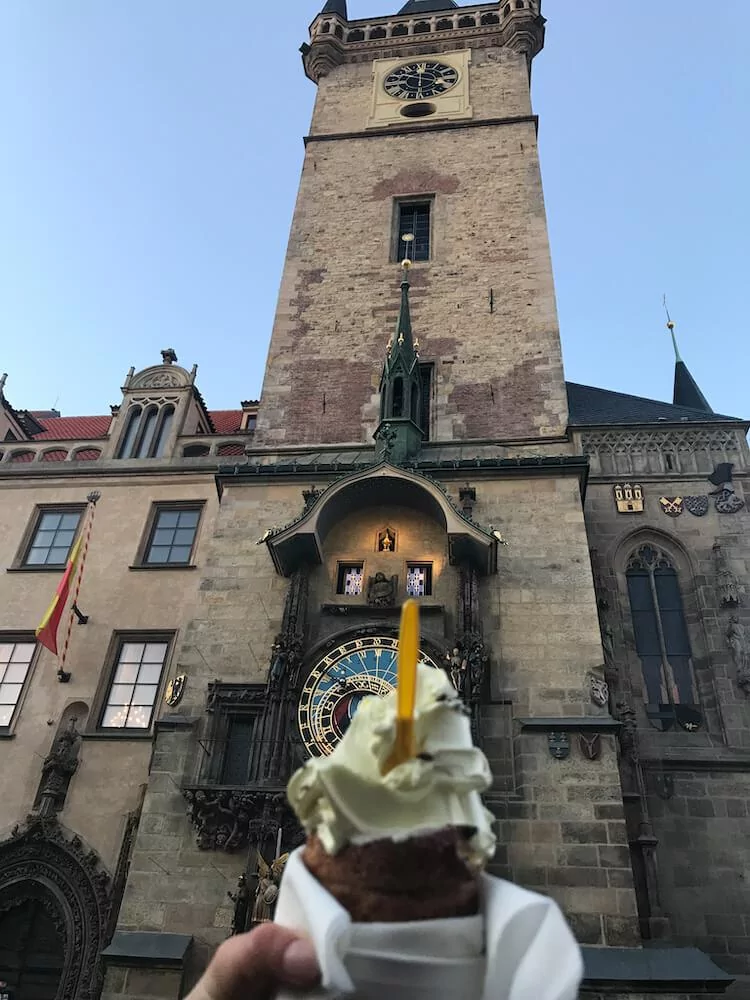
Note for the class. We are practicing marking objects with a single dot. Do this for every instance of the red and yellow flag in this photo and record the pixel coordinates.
(47, 631)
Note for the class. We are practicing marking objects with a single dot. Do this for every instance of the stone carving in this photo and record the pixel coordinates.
(599, 691)
(241, 900)
(697, 505)
(230, 819)
(726, 581)
(628, 735)
(311, 497)
(42, 861)
(159, 380)
(381, 591)
(169, 356)
(630, 453)
(220, 694)
(387, 437)
(468, 498)
(590, 746)
(58, 768)
(267, 890)
(559, 745)
(726, 500)
(737, 642)
(286, 652)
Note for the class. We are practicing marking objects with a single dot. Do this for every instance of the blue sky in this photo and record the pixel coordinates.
(146, 193)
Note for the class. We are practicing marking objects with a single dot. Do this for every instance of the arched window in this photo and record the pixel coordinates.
(662, 640)
(398, 397)
(31, 950)
(147, 432)
(415, 414)
(134, 419)
(165, 427)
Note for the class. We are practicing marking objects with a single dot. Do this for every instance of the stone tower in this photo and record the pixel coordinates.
(394, 144)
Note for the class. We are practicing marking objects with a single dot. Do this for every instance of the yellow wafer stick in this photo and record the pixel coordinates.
(404, 747)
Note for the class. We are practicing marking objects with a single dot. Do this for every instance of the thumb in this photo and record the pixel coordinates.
(253, 966)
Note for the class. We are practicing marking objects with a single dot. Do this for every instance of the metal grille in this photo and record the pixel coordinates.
(414, 219)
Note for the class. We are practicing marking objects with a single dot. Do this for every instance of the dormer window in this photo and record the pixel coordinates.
(147, 431)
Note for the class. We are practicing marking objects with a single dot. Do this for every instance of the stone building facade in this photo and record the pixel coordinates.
(581, 558)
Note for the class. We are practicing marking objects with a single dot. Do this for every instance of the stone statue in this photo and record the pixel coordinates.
(241, 900)
(266, 894)
(737, 641)
(729, 594)
(598, 691)
(58, 768)
(278, 661)
(381, 592)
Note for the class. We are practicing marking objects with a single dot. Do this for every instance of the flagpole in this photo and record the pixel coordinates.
(62, 675)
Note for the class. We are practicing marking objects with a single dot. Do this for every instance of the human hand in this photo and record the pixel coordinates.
(254, 966)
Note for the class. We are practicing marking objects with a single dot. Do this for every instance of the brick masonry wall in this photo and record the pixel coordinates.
(498, 374)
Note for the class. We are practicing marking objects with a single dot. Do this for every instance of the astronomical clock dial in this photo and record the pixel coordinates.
(418, 81)
(338, 683)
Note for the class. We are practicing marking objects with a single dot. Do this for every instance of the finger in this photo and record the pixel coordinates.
(253, 966)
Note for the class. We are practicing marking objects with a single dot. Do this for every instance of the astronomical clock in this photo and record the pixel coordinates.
(338, 683)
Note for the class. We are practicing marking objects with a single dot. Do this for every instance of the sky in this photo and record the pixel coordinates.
(150, 157)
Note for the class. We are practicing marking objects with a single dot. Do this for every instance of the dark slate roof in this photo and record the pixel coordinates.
(687, 391)
(427, 6)
(336, 7)
(593, 407)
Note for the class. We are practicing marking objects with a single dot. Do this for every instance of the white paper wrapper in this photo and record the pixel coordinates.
(519, 948)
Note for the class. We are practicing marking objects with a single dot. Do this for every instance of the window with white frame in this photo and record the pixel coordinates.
(15, 660)
(136, 679)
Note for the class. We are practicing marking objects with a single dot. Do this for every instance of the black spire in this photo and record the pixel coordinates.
(686, 389)
(336, 7)
(399, 434)
(427, 6)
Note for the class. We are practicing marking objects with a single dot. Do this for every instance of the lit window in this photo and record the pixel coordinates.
(413, 220)
(53, 538)
(419, 579)
(351, 580)
(15, 658)
(173, 537)
(135, 684)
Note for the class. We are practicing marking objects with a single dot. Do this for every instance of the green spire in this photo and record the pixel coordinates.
(400, 434)
(670, 327)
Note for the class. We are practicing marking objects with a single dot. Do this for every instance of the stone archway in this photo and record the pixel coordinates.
(53, 879)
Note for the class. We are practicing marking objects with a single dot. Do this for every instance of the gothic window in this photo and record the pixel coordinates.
(15, 660)
(242, 737)
(661, 638)
(419, 579)
(413, 218)
(52, 536)
(136, 680)
(172, 536)
(398, 397)
(350, 579)
(425, 374)
(147, 432)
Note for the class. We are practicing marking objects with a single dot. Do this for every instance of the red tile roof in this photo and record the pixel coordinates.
(83, 428)
(226, 421)
(72, 428)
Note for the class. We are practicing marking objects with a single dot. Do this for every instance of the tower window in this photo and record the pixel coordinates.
(147, 432)
(350, 579)
(413, 219)
(419, 579)
(135, 683)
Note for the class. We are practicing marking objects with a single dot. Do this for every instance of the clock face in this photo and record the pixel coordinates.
(338, 683)
(418, 81)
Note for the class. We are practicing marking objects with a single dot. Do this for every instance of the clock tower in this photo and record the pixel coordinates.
(422, 126)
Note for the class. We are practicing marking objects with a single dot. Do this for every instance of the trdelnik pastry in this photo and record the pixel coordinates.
(390, 885)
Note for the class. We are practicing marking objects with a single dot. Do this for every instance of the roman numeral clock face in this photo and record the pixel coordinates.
(337, 684)
(418, 81)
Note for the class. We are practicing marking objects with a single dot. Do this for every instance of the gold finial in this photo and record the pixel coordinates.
(408, 239)
(401, 338)
(671, 327)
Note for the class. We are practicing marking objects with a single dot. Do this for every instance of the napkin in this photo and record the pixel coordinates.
(518, 948)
